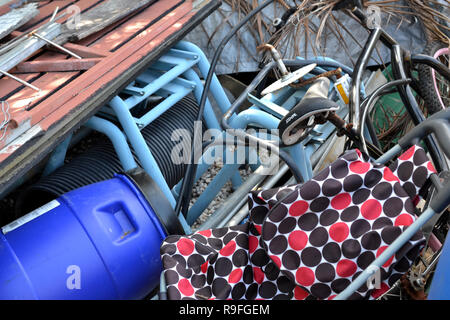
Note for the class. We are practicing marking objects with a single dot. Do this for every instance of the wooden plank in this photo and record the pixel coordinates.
(86, 52)
(26, 47)
(16, 97)
(17, 18)
(122, 34)
(110, 67)
(56, 65)
(26, 98)
(45, 12)
(100, 17)
(30, 153)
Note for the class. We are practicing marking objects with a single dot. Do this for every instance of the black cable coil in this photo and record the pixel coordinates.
(100, 161)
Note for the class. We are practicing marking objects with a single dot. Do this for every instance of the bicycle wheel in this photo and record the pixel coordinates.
(434, 89)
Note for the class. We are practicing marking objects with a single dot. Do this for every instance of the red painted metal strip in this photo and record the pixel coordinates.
(13, 85)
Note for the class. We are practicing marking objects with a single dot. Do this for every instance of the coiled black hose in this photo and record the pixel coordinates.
(100, 161)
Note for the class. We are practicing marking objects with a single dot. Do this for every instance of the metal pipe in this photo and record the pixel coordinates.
(223, 213)
(357, 76)
(368, 105)
(386, 255)
(117, 138)
(140, 146)
(412, 107)
(242, 209)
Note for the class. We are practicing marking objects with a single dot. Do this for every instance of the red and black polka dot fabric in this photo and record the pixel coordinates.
(307, 241)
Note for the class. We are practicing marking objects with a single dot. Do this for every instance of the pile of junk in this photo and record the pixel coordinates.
(224, 150)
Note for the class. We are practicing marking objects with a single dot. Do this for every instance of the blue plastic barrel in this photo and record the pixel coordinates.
(440, 285)
(98, 242)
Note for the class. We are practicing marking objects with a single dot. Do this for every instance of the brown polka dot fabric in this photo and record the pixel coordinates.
(305, 241)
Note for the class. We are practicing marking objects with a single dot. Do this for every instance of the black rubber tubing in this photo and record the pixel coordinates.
(100, 162)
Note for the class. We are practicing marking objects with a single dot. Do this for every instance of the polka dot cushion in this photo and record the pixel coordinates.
(306, 241)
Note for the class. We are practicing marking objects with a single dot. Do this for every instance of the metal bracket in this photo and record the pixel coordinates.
(268, 106)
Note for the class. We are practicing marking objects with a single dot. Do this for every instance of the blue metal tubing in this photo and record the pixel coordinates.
(208, 115)
(160, 82)
(211, 191)
(387, 254)
(143, 152)
(262, 118)
(162, 107)
(57, 158)
(117, 138)
(204, 66)
(140, 146)
(270, 122)
(389, 155)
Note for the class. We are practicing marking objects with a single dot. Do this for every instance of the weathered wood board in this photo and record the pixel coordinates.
(98, 18)
(41, 120)
(16, 18)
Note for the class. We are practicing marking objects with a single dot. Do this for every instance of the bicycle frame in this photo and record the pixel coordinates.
(438, 124)
(401, 74)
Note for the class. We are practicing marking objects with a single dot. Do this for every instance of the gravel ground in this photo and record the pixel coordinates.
(226, 191)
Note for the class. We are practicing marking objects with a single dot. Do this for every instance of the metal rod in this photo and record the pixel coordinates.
(234, 201)
(54, 14)
(23, 36)
(432, 264)
(243, 210)
(20, 80)
(368, 106)
(390, 251)
(361, 64)
(56, 45)
(410, 103)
